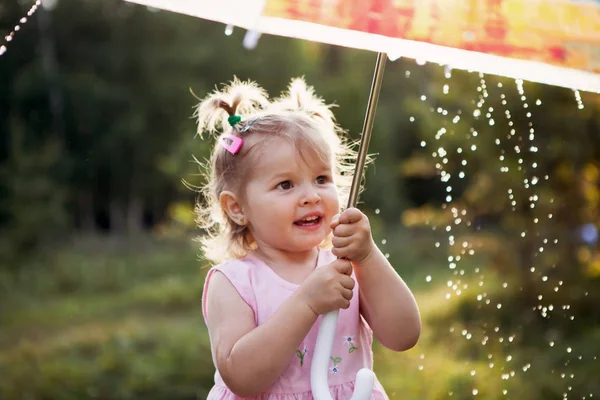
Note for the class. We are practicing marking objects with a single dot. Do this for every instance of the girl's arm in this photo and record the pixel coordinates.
(387, 303)
(251, 358)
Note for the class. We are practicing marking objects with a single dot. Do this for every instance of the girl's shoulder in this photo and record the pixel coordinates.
(239, 272)
(236, 265)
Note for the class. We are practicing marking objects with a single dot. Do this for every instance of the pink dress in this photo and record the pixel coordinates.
(264, 291)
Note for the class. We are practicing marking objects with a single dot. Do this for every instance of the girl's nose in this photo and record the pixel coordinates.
(310, 196)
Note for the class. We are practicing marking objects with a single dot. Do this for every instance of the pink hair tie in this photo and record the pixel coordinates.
(231, 143)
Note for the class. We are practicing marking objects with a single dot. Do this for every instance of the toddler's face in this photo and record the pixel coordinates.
(290, 198)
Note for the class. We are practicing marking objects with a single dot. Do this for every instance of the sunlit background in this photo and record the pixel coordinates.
(485, 195)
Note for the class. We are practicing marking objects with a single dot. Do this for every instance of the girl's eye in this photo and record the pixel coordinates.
(321, 180)
(285, 185)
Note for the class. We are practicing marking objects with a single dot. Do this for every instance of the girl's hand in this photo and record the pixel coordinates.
(352, 236)
(328, 288)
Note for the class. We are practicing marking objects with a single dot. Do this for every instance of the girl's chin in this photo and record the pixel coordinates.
(305, 245)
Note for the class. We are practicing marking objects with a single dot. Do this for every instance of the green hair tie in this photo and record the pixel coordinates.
(234, 120)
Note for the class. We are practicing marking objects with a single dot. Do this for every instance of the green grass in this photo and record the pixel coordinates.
(107, 323)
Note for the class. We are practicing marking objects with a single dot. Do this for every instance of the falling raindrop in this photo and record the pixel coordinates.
(448, 71)
(578, 99)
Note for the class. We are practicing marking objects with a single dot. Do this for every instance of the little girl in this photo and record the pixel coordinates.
(285, 253)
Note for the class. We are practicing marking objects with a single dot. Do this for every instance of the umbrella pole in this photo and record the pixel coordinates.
(319, 369)
(363, 146)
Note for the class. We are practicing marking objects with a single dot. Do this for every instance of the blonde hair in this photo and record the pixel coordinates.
(298, 116)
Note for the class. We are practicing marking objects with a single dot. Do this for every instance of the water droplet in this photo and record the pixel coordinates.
(580, 105)
(447, 71)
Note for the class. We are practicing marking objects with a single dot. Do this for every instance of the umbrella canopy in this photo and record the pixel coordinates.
(555, 42)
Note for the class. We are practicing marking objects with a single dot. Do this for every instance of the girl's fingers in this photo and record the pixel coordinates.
(350, 216)
(345, 304)
(343, 267)
(344, 230)
(347, 294)
(340, 242)
(335, 221)
(341, 252)
(347, 282)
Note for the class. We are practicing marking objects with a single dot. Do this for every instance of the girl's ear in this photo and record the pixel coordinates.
(233, 207)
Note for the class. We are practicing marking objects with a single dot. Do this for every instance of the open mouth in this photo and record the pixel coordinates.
(309, 221)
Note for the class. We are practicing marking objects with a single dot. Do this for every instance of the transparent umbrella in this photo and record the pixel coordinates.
(555, 42)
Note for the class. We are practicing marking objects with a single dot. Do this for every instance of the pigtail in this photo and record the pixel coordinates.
(301, 97)
(238, 98)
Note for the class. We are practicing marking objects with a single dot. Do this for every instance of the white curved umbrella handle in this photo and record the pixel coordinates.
(319, 369)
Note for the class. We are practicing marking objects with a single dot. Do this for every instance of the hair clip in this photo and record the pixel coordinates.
(231, 143)
(248, 125)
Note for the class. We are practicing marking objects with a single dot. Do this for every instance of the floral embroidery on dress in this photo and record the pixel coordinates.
(350, 342)
(301, 355)
(335, 368)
